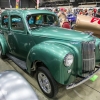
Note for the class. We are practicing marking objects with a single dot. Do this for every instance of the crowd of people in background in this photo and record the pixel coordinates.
(89, 12)
(62, 14)
(86, 11)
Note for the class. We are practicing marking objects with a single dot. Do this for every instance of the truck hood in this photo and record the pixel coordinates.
(61, 33)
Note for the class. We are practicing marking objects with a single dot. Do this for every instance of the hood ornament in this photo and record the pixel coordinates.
(89, 33)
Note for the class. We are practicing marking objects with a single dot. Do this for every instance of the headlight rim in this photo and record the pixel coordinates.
(66, 57)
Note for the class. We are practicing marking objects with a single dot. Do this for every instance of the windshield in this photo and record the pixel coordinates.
(39, 20)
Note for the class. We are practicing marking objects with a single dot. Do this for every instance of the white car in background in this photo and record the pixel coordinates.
(14, 87)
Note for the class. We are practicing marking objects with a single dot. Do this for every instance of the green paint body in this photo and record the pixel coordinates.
(48, 44)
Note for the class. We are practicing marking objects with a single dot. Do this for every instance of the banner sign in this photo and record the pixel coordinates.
(96, 20)
(38, 4)
(17, 3)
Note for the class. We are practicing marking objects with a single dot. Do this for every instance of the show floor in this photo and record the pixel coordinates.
(87, 91)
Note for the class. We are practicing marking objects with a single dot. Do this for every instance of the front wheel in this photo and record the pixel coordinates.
(46, 82)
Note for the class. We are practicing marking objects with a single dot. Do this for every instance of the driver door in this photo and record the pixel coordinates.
(18, 38)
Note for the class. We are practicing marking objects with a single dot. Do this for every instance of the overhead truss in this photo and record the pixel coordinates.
(54, 3)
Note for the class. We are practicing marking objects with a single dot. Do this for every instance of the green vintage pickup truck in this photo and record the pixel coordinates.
(36, 43)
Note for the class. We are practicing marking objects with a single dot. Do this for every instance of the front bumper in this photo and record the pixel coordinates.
(72, 85)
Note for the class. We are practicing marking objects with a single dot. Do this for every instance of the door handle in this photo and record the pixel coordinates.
(10, 33)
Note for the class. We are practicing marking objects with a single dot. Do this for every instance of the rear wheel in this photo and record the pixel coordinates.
(46, 82)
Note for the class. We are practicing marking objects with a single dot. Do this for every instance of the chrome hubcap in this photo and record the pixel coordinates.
(44, 82)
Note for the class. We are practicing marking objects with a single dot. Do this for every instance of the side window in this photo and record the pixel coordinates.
(50, 19)
(17, 23)
(5, 21)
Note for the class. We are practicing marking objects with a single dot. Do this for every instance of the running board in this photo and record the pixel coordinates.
(20, 63)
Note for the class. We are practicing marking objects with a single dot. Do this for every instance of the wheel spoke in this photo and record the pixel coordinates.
(44, 82)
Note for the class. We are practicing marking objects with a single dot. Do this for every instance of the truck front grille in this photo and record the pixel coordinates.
(88, 53)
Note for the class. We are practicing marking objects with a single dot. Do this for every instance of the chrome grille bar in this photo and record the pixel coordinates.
(88, 52)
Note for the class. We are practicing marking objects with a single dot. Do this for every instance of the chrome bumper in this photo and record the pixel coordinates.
(82, 81)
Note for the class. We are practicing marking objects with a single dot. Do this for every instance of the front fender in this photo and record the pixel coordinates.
(52, 55)
(3, 44)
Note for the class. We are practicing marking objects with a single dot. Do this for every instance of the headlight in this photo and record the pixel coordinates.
(68, 60)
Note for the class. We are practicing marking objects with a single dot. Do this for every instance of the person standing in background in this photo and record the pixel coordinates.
(94, 11)
(98, 13)
(90, 12)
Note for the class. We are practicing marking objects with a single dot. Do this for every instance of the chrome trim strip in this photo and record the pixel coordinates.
(82, 81)
(89, 59)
